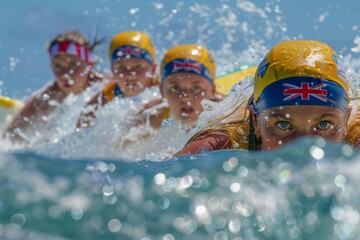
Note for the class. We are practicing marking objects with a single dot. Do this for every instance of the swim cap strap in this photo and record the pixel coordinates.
(302, 91)
(128, 51)
(186, 65)
(70, 48)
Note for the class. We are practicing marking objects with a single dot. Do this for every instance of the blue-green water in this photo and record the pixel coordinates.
(65, 186)
(305, 190)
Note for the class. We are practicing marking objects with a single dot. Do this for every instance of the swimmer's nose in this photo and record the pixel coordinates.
(184, 94)
(308, 132)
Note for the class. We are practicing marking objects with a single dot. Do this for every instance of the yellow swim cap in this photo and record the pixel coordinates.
(132, 44)
(300, 72)
(189, 58)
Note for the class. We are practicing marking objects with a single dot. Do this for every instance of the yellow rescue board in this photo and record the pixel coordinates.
(8, 107)
(224, 82)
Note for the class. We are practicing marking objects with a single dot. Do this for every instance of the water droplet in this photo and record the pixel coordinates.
(45, 97)
(186, 181)
(108, 190)
(340, 180)
(347, 150)
(159, 179)
(184, 115)
(234, 225)
(235, 187)
(221, 236)
(133, 11)
(168, 237)
(114, 225)
(158, 5)
(317, 152)
(18, 219)
(167, 122)
(77, 213)
(164, 203)
(285, 176)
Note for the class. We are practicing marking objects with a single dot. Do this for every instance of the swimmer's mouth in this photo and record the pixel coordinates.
(187, 110)
(67, 84)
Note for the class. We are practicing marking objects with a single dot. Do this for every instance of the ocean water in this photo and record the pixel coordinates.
(306, 190)
(65, 184)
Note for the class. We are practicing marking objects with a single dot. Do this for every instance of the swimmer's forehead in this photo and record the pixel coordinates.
(64, 57)
(130, 62)
(186, 78)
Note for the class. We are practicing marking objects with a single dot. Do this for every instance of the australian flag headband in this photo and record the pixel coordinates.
(302, 91)
(186, 65)
(128, 51)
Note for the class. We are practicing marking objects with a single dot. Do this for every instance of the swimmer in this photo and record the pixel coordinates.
(187, 77)
(300, 89)
(133, 65)
(71, 63)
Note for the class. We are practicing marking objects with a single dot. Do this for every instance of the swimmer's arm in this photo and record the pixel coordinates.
(88, 116)
(98, 77)
(205, 143)
(37, 106)
(153, 112)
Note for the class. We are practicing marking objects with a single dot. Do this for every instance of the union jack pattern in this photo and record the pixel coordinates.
(305, 91)
(186, 65)
(132, 52)
(136, 52)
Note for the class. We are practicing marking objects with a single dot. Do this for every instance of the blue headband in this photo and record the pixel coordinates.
(126, 51)
(186, 65)
(302, 91)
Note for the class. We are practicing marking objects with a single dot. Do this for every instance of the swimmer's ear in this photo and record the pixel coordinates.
(254, 124)
(349, 112)
(155, 76)
(347, 122)
(92, 63)
(161, 90)
(153, 68)
(214, 89)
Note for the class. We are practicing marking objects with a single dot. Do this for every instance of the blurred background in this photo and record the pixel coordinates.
(238, 32)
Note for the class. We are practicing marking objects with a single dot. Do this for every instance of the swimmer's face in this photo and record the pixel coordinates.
(184, 92)
(133, 75)
(71, 73)
(280, 125)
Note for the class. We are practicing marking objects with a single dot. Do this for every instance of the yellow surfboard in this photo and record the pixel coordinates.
(8, 107)
(225, 81)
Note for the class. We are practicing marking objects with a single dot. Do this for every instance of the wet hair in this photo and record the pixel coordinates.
(76, 37)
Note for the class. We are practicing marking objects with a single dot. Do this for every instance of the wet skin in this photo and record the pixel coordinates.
(184, 93)
(133, 75)
(71, 73)
(280, 125)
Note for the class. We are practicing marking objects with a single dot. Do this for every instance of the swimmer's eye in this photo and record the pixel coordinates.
(56, 67)
(324, 125)
(74, 65)
(119, 69)
(197, 89)
(136, 67)
(283, 125)
(175, 89)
